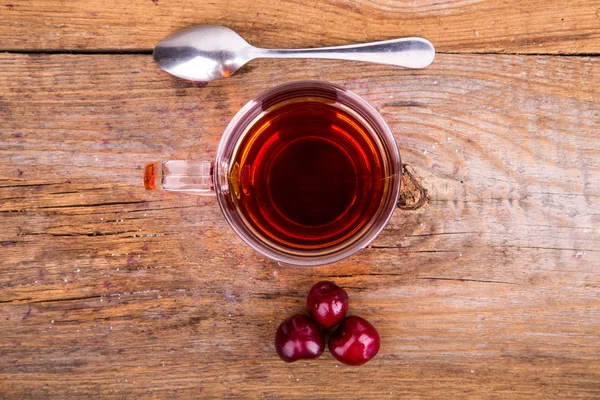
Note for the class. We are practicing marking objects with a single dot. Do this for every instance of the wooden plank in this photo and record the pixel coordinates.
(459, 26)
(492, 289)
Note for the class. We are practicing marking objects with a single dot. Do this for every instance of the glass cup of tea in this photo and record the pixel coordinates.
(308, 173)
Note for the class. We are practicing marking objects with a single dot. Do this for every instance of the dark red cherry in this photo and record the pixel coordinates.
(299, 338)
(354, 342)
(327, 303)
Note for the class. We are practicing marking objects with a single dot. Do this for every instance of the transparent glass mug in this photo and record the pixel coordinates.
(308, 173)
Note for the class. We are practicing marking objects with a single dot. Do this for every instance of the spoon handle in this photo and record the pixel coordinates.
(411, 52)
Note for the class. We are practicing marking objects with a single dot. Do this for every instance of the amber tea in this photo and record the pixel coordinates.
(307, 175)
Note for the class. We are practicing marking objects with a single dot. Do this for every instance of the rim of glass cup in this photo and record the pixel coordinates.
(238, 127)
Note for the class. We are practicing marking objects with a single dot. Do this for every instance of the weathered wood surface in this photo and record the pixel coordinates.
(462, 26)
(489, 290)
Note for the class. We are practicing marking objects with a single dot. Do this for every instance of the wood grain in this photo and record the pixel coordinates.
(459, 26)
(490, 290)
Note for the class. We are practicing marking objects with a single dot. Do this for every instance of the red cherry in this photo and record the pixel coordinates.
(354, 342)
(299, 338)
(327, 303)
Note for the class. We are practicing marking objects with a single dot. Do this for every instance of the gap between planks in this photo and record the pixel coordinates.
(139, 52)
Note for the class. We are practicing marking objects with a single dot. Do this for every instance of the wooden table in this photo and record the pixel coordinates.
(489, 288)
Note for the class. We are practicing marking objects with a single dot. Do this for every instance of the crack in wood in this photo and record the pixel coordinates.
(145, 210)
(14, 300)
(77, 234)
(358, 275)
(95, 296)
(80, 190)
(32, 185)
(544, 248)
(110, 203)
(432, 278)
(406, 249)
(445, 233)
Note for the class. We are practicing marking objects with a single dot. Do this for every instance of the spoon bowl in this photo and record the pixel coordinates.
(202, 53)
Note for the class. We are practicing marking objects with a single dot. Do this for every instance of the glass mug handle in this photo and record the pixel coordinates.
(193, 177)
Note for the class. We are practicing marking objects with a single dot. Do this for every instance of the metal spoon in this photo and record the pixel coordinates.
(209, 52)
